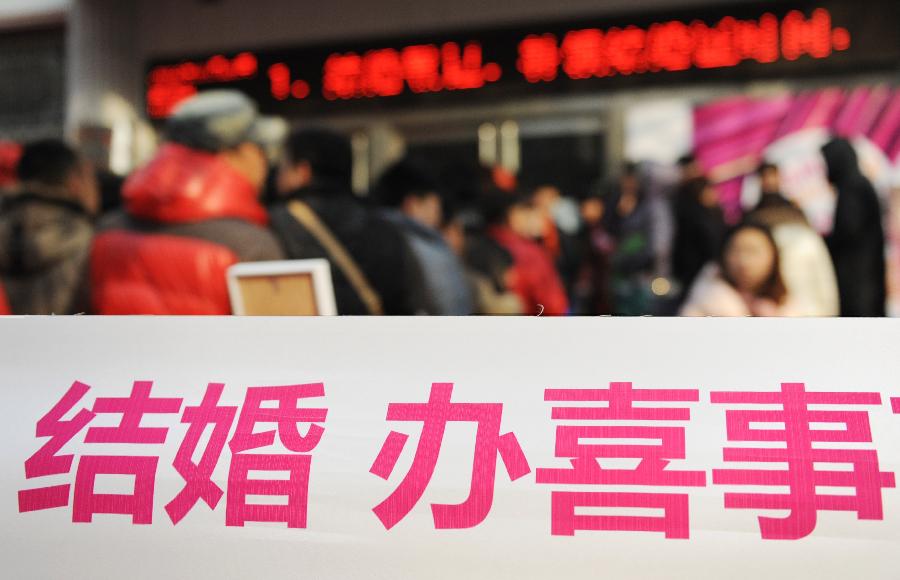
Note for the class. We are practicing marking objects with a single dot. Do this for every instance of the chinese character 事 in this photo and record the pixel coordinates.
(803, 459)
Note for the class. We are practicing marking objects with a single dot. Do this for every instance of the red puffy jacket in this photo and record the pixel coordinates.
(188, 216)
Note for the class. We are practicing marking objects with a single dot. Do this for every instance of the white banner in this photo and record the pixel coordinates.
(449, 448)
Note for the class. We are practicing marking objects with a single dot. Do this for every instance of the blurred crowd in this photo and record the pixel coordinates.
(229, 185)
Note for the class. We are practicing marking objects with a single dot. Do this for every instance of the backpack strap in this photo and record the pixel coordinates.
(339, 255)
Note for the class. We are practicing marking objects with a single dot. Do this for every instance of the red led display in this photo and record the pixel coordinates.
(280, 81)
(538, 58)
(169, 85)
(282, 86)
(422, 68)
(676, 46)
(668, 46)
(814, 37)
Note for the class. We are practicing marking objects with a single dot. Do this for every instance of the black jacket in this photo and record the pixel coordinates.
(856, 241)
(44, 247)
(698, 236)
(376, 246)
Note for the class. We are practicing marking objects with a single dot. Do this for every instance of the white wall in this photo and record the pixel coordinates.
(18, 13)
(105, 78)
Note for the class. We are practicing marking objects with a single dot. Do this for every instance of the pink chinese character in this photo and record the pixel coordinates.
(138, 504)
(803, 459)
(295, 488)
(434, 415)
(132, 408)
(197, 476)
(45, 460)
(650, 470)
(286, 415)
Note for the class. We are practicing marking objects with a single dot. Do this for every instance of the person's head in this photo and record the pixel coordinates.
(454, 231)
(412, 189)
(769, 178)
(51, 166)
(525, 219)
(840, 160)
(227, 123)
(316, 155)
(629, 180)
(700, 191)
(512, 210)
(592, 210)
(689, 167)
(545, 197)
(749, 262)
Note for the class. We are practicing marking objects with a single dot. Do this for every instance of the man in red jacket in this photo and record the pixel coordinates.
(513, 221)
(189, 214)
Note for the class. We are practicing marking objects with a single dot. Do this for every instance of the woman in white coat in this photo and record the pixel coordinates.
(746, 281)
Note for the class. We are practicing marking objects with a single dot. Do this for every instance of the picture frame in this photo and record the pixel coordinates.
(282, 288)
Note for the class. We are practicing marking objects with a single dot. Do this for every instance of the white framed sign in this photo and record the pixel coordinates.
(282, 288)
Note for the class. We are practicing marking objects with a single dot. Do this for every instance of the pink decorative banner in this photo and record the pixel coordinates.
(731, 135)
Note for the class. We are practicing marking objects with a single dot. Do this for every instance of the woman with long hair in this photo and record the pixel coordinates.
(746, 281)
